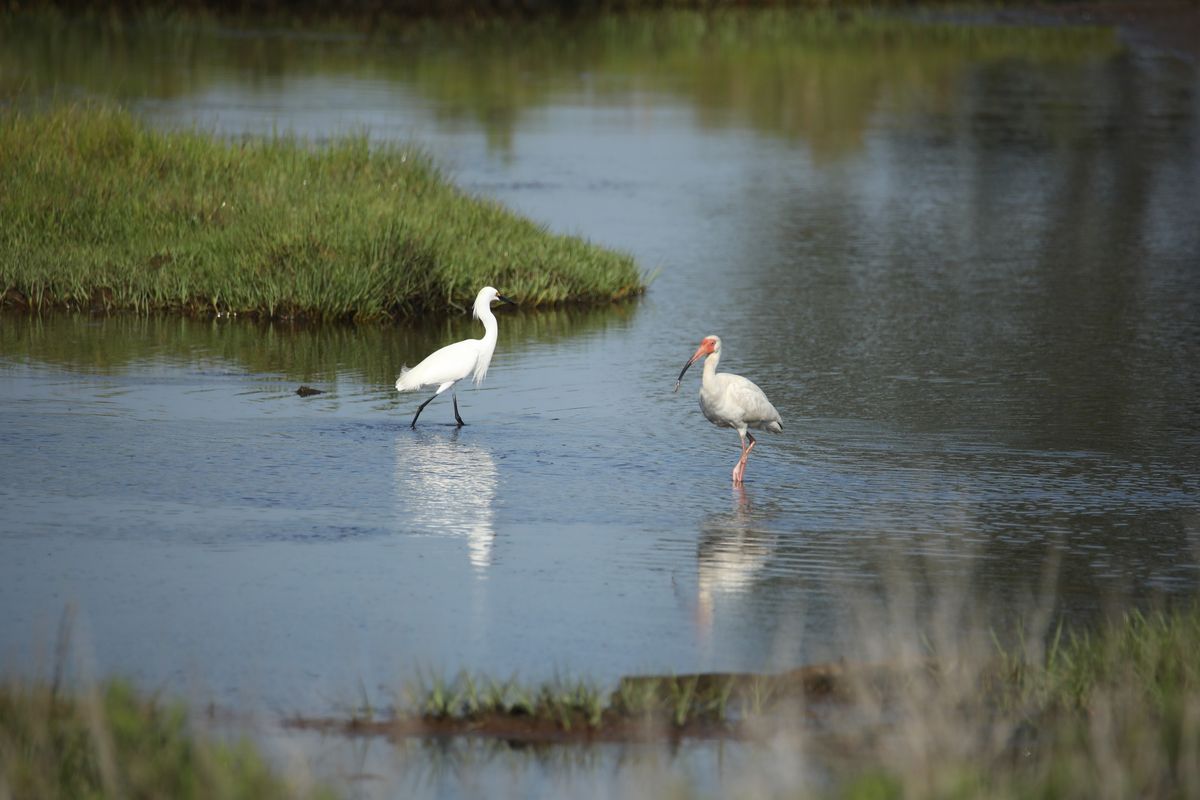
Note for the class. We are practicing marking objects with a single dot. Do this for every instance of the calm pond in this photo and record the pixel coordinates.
(964, 264)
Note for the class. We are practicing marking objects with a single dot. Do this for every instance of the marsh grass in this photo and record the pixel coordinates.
(562, 701)
(99, 211)
(113, 742)
(1159, 652)
(1037, 711)
(639, 707)
(1110, 711)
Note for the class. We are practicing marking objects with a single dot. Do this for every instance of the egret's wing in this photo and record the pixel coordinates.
(451, 363)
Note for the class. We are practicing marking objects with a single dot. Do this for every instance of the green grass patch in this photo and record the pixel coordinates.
(100, 211)
(113, 742)
(1157, 655)
(566, 710)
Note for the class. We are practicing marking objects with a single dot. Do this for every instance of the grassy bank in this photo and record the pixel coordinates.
(99, 211)
(110, 742)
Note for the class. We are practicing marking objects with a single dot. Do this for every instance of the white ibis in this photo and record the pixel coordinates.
(731, 401)
(445, 367)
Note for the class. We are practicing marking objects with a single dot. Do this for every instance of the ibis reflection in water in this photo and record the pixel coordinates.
(447, 487)
(729, 556)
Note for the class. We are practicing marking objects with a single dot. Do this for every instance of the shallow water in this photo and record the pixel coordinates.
(966, 275)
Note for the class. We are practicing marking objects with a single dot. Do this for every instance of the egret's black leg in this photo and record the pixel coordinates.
(456, 416)
(420, 408)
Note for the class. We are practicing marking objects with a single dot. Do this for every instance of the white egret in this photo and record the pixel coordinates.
(731, 401)
(445, 367)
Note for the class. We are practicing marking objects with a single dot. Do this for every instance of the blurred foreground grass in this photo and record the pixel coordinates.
(110, 742)
(100, 211)
(1109, 712)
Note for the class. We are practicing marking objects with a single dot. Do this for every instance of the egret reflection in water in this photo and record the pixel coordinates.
(447, 487)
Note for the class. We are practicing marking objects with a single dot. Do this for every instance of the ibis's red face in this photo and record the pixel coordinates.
(707, 347)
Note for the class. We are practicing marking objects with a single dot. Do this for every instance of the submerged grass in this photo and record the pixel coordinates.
(112, 742)
(672, 704)
(468, 698)
(101, 211)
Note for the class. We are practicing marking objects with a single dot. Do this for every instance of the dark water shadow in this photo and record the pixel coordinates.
(316, 354)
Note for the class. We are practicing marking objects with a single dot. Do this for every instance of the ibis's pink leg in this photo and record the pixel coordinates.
(739, 471)
(741, 464)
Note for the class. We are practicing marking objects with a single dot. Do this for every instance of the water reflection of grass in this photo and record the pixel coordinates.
(806, 75)
(305, 353)
(809, 75)
(100, 211)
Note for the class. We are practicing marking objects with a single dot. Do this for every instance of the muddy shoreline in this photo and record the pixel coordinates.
(809, 692)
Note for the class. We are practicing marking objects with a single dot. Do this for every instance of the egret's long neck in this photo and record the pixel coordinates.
(490, 328)
(488, 343)
(484, 311)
